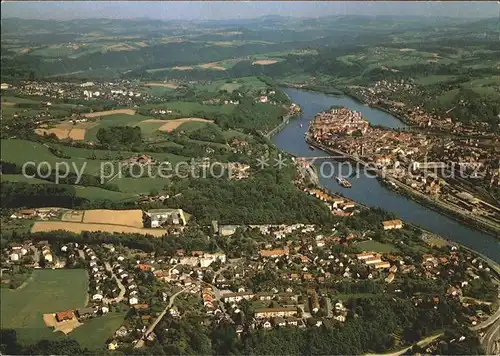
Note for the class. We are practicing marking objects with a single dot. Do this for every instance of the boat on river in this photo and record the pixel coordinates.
(344, 182)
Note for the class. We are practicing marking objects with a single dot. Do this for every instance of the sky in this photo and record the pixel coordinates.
(212, 10)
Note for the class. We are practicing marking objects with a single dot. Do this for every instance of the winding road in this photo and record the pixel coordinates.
(491, 340)
(140, 343)
(121, 295)
(421, 343)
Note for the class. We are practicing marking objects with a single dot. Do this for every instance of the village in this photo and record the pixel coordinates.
(383, 93)
(305, 279)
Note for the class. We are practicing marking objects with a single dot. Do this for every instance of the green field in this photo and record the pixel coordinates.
(448, 96)
(17, 100)
(156, 90)
(94, 332)
(20, 151)
(192, 126)
(141, 185)
(230, 87)
(91, 193)
(48, 291)
(434, 79)
(344, 297)
(148, 128)
(20, 226)
(376, 246)
(244, 84)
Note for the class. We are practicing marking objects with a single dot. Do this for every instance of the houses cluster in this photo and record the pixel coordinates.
(157, 218)
(218, 101)
(339, 206)
(126, 281)
(285, 309)
(239, 146)
(141, 159)
(122, 92)
(197, 258)
(41, 213)
(161, 111)
(373, 259)
(352, 135)
(238, 171)
(209, 301)
(392, 224)
(17, 251)
(79, 314)
(339, 121)
(281, 231)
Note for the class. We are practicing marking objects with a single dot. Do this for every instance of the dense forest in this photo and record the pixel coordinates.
(119, 136)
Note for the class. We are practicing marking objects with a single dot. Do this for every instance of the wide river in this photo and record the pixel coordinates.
(366, 190)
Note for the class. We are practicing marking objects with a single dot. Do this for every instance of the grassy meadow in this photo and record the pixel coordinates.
(47, 291)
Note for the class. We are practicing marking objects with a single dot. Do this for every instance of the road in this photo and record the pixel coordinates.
(140, 343)
(231, 263)
(446, 206)
(491, 320)
(421, 343)
(491, 340)
(121, 295)
(36, 255)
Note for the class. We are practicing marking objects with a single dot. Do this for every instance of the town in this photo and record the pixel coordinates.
(425, 165)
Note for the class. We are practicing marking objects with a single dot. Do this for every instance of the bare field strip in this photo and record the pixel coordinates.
(74, 134)
(115, 217)
(120, 47)
(68, 130)
(182, 68)
(165, 85)
(73, 216)
(66, 326)
(45, 226)
(110, 112)
(50, 320)
(264, 62)
(6, 103)
(171, 125)
(213, 65)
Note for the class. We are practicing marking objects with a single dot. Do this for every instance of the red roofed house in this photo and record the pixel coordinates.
(67, 315)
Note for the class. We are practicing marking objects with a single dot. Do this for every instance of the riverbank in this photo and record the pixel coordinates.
(477, 221)
(370, 192)
(293, 112)
(337, 153)
(439, 207)
(336, 91)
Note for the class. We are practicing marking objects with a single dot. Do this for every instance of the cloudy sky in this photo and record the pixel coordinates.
(207, 10)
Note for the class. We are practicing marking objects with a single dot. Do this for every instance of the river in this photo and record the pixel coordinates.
(369, 191)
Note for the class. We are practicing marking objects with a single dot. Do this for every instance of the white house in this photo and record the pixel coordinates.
(133, 301)
(14, 257)
(340, 318)
(97, 297)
